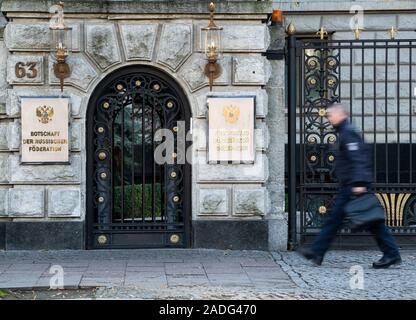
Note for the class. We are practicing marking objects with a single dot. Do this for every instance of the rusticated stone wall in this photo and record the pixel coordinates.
(105, 40)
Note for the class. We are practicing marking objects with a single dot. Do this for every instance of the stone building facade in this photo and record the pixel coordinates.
(233, 206)
(45, 206)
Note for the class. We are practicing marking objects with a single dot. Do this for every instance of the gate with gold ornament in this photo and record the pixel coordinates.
(376, 81)
(133, 199)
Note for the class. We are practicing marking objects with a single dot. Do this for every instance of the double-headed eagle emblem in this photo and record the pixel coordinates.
(231, 114)
(44, 114)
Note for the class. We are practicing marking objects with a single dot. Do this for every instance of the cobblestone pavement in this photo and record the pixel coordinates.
(334, 277)
(205, 274)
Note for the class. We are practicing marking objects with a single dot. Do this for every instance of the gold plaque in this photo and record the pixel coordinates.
(170, 104)
(322, 209)
(176, 199)
(45, 130)
(119, 87)
(174, 238)
(100, 129)
(175, 129)
(231, 129)
(156, 87)
(138, 83)
(100, 199)
(311, 139)
(102, 156)
(102, 239)
(322, 112)
(331, 158)
(173, 174)
(312, 81)
(106, 105)
(103, 175)
(313, 158)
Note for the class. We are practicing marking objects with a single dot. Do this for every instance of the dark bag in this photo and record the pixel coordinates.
(363, 210)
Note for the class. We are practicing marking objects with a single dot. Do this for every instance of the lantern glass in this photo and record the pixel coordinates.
(61, 39)
(212, 42)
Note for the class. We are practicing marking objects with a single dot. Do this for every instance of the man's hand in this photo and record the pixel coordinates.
(359, 190)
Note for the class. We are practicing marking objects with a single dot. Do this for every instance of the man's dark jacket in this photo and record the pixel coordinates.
(352, 160)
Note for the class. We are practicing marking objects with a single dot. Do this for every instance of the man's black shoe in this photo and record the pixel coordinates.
(310, 255)
(385, 262)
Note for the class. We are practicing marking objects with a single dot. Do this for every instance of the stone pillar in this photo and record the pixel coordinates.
(3, 64)
(3, 133)
(277, 217)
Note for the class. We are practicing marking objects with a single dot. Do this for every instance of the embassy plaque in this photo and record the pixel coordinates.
(45, 130)
(231, 129)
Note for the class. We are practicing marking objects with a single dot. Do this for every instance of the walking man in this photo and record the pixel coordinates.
(352, 168)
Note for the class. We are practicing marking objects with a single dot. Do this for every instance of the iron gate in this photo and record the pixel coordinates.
(376, 79)
(134, 201)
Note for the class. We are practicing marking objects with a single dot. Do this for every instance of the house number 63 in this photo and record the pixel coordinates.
(27, 69)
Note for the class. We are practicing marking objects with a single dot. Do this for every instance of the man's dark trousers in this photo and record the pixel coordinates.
(334, 220)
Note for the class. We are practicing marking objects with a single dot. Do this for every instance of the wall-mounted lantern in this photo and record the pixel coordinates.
(277, 16)
(211, 37)
(61, 44)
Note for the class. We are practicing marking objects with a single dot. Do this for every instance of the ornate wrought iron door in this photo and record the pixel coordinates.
(133, 200)
(375, 80)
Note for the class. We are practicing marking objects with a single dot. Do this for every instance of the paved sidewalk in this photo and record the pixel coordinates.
(209, 274)
(142, 269)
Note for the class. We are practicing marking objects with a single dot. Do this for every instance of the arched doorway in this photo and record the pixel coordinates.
(134, 201)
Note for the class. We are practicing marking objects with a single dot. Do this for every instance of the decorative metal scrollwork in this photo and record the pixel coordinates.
(321, 74)
(102, 239)
(394, 206)
(409, 218)
(318, 68)
(322, 210)
(130, 188)
(322, 112)
(315, 209)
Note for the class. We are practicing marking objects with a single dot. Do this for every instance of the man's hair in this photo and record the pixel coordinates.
(340, 107)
